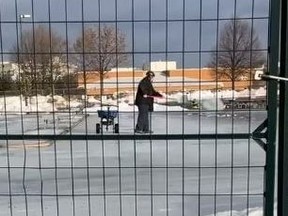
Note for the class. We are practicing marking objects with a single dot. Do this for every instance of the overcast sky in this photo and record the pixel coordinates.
(187, 37)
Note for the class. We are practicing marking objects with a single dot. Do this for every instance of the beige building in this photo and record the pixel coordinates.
(127, 79)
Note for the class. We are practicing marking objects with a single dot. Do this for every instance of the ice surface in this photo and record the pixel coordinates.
(175, 177)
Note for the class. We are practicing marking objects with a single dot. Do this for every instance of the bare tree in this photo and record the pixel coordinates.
(99, 49)
(238, 51)
(40, 55)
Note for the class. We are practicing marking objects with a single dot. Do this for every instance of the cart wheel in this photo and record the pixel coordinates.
(98, 128)
(116, 128)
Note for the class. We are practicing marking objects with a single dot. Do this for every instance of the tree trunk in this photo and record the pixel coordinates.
(26, 101)
(233, 78)
(233, 85)
(101, 84)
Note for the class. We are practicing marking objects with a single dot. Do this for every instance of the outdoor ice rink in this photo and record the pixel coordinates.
(132, 177)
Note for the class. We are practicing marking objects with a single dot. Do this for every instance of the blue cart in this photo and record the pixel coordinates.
(107, 118)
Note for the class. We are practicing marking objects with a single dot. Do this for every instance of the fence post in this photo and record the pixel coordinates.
(272, 107)
(283, 118)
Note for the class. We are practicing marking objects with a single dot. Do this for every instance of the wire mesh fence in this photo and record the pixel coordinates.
(73, 141)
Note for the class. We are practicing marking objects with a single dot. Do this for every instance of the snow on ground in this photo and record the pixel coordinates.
(250, 212)
(40, 103)
(60, 121)
(37, 103)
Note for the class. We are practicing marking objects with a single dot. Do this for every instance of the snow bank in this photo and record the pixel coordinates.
(16, 104)
(126, 104)
(250, 212)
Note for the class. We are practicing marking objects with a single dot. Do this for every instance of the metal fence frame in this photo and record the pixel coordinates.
(282, 192)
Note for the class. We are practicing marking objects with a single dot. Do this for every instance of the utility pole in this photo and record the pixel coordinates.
(21, 17)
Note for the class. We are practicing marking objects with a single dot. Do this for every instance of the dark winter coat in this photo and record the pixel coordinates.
(145, 88)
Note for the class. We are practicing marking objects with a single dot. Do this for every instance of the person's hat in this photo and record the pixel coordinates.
(150, 74)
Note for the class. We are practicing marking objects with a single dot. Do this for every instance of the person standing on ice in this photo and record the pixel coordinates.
(144, 101)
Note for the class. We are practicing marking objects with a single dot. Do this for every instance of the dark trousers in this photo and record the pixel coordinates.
(143, 118)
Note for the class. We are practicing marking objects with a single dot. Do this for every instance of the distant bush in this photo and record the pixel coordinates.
(7, 84)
